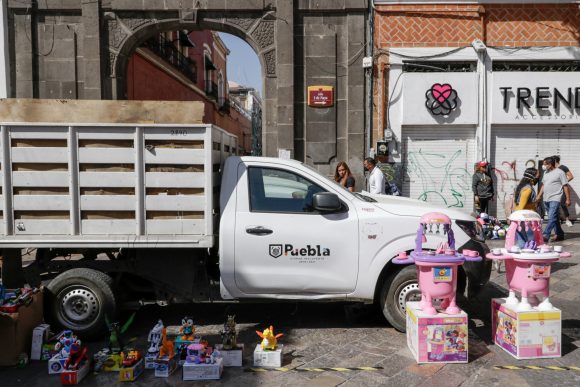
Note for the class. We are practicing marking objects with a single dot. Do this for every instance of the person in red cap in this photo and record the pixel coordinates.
(482, 186)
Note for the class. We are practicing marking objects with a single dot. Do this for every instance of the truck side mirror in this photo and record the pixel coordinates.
(326, 202)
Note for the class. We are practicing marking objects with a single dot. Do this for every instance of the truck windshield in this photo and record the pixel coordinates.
(353, 194)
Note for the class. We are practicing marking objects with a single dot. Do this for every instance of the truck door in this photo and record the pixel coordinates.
(283, 246)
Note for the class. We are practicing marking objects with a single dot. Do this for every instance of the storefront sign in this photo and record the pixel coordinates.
(538, 97)
(320, 96)
(439, 99)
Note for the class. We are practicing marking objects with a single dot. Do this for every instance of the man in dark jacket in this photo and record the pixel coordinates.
(482, 186)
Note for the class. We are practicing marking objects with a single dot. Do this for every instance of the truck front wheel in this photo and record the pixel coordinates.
(79, 299)
(398, 288)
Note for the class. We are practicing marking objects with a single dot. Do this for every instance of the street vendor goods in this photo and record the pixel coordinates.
(269, 339)
(437, 270)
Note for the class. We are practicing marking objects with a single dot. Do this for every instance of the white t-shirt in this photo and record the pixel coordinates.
(376, 182)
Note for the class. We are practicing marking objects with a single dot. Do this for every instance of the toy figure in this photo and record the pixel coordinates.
(166, 348)
(65, 340)
(77, 355)
(187, 329)
(437, 344)
(115, 339)
(229, 334)
(196, 353)
(155, 338)
(269, 340)
(130, 359)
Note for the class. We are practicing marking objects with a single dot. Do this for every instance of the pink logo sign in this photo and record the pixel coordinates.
(441, 99)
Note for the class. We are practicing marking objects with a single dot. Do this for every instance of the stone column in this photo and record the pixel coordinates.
(91, 49)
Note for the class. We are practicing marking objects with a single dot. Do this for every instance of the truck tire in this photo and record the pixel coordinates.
(79, 299)
(398, 288)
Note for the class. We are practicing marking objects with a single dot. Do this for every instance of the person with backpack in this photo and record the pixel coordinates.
(525, 195)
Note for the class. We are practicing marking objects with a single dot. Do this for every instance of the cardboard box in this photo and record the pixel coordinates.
(150, 359)
(56, 364)
(39, 337)
(16, 330)
(232, 357)
(268, 359)
(192, 371)
(165, 367)
(130, 374)
(526, 335)
(441, 338)
(75, 377)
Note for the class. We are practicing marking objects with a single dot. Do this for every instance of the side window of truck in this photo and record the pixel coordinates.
(275, 190)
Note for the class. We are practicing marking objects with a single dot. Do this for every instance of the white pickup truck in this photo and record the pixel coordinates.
(119, 213)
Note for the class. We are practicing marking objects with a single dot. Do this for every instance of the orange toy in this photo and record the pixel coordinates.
(166, 348)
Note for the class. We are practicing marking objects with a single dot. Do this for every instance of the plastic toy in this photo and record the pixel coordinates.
(115, 338)
(269, 340)
(154, 338)
(76, 357)
(196, 353)
(65, 341)
(131, 358)
(187, 329)
(229, 334)
(166, 348)
(528, 261)
(437, 270)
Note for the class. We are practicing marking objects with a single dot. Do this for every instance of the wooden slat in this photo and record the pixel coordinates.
(43, 227)
(175, 227)
(175, 156)
(107, 155)
(174, 180)
(39, 132)
(174, 203)
(108, 227)
(40, 179)
(101, 180)
(39, 155)
(107, 203)
(41, 202)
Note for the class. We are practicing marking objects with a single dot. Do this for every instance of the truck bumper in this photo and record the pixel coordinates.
(478, 273)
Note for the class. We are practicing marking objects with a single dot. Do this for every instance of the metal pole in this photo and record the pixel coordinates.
(5, 60)
(369, 79)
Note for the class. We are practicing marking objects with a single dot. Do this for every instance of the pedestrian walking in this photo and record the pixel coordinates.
(375, 179)
(482, 186)
(525, 195)
(344, 177)
(554, 185)
(569, 176)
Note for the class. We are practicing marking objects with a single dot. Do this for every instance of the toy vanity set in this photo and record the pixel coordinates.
(527, 328)
(437, 336)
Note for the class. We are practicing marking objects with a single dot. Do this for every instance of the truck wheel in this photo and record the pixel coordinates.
(79, 299)
(398, 288)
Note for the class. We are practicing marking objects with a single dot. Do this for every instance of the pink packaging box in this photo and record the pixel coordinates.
(441, 338)
(526, 335)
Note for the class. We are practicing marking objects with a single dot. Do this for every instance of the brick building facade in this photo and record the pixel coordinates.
(429, 45)
(176, 66)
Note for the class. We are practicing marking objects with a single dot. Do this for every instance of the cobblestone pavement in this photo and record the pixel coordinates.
(344, 335)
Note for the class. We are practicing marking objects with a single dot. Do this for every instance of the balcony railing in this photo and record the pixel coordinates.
(167, 51)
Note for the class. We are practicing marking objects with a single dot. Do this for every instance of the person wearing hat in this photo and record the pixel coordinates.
(482, 186)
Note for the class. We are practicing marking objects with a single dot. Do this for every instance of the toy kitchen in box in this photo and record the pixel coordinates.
(203, 371)
(232, 357)
(439, 338)
(526, 334)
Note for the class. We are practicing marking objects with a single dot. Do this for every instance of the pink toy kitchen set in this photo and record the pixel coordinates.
(437, 270)
(527, 261)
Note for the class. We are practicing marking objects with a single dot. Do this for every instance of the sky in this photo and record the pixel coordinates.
(243, 64)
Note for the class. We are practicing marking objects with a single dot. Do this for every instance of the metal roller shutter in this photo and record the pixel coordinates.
(438, 165)
(513, 149)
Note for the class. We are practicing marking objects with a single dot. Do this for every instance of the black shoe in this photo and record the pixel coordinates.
(556, 238)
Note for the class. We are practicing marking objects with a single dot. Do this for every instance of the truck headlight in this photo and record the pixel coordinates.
(471, 228)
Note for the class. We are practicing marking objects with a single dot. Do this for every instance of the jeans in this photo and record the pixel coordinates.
(553, 210)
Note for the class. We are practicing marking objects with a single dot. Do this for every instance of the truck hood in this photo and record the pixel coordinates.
(403, 206)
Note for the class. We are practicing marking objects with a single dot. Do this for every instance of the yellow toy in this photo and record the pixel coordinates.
(166, 348)
(269, 340)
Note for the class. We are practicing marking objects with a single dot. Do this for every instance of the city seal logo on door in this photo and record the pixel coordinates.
(275, 251)
(441, 99)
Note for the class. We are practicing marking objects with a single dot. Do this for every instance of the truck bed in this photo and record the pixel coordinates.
(110, 185)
